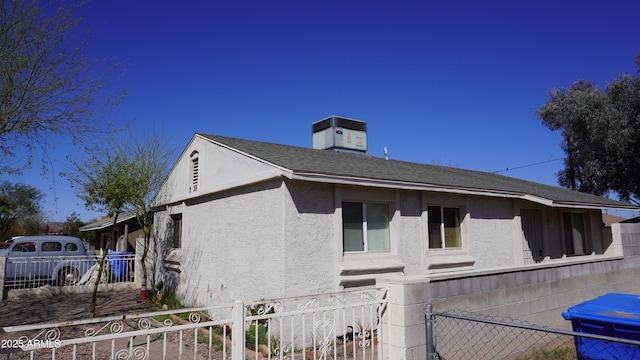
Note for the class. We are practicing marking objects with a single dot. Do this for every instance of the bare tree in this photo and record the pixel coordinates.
(49, 87)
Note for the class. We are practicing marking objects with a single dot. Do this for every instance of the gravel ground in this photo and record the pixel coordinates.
(68, 307)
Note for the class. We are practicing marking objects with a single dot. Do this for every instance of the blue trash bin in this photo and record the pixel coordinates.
(119, 266)
(614, 315)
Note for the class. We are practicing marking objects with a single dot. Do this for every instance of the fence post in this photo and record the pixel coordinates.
(3, 264)
(428, 316)
(237, 331)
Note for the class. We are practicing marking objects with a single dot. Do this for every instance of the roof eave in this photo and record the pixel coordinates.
(392, 184)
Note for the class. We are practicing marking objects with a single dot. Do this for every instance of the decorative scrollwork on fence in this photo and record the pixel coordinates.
(364, 338)
(115, 327)
(368, 297)
(334, 300)
(135, 353)
(144, 324)
(312, 303)
(324, 329)
(281, 352)
(194, 317)
(275, 307)
(49, 335)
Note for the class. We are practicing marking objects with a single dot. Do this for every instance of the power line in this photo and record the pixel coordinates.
(528, 165)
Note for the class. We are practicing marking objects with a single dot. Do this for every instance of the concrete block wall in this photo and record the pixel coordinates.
(535, 295)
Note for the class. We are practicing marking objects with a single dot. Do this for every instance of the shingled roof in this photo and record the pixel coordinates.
(343, 167)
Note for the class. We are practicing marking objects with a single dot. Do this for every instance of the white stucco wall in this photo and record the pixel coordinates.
(233, 246)
(493, 232)
(219, 169)
(309, 242)
(412, 247)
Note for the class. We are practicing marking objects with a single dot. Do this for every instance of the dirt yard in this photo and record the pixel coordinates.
(68, 307)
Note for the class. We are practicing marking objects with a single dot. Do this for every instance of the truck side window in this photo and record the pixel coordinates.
(71, 247)
(51, 246)
(25, 247)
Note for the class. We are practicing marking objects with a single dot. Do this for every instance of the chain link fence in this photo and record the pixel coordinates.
(464, 335)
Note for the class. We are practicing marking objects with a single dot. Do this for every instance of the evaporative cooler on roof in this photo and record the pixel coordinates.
(340, 134)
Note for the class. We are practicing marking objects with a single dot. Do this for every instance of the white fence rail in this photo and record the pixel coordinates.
(331, 326)
(23, 273)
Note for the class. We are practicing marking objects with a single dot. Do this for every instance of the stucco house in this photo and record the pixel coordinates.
(245, 219)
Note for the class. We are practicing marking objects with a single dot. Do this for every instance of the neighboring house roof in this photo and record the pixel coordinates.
(107, 222)
(360, 169)
(54, 227)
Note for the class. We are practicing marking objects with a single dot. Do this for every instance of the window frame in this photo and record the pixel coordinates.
(442, 234)
(51, 246)
(176, 231)
(365, 229)
(568, 233)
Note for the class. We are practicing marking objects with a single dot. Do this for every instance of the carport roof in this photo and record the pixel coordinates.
(106, 222)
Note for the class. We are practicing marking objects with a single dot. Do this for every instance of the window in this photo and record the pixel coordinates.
(575, 239)
(444, 223)
(25, 247)
(194, 171)
(365, 227)
(70, 247)
(51, 246)
(176, 240)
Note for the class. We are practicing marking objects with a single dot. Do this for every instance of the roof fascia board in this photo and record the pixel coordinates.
(576, 205)
(344, 180)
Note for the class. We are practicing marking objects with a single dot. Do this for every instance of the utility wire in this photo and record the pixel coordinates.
(528, 165)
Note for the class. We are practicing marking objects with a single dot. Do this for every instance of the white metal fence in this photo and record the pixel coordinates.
(342, 325)
(23, 273)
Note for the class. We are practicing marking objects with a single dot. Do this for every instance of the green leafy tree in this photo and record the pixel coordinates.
(105, 184)
(17, 202)
(72, 225)
(49, 87)
(600, 135)
(123, 176)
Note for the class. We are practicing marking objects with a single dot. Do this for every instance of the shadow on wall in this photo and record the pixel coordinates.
(311, 199)
(167, 262)
(197, 280)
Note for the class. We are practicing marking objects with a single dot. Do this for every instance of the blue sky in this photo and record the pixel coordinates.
(448, 82)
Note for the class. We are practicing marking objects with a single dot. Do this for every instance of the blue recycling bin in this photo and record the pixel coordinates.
(614, 315)
(119, 266)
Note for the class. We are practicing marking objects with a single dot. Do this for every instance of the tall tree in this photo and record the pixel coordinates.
(600, 135)
(49, 87)
(17, 202)
(72, 225)
(123, 176)
(105, 184)
(152, 156)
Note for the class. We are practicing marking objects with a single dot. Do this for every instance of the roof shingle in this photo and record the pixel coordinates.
(300, 160)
